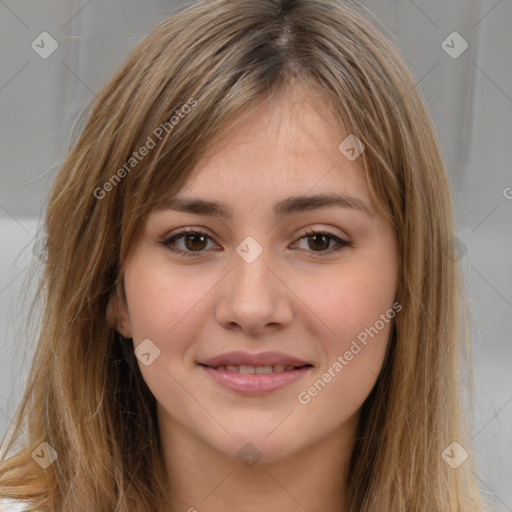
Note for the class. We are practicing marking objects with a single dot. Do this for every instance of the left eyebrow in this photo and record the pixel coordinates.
(286, 206)
(307, 203)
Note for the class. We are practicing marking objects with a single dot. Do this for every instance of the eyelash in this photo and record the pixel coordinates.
(169, 241)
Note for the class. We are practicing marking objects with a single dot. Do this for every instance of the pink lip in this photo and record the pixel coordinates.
(238, 358)
(256, 384)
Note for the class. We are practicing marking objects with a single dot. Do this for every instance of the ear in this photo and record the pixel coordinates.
(118, 317)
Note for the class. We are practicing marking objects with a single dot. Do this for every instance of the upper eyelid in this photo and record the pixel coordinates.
(187, 231)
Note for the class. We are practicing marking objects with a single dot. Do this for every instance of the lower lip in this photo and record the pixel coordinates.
(258, 383)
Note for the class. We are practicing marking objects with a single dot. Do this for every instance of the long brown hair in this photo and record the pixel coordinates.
(194, 75)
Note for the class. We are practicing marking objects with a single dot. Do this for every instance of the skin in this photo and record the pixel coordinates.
(298, 297)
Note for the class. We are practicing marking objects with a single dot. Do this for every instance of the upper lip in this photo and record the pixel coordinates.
(240, 358)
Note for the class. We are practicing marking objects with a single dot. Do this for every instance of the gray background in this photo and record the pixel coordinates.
(470, 98)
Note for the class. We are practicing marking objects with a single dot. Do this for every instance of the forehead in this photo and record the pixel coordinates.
(285, 145)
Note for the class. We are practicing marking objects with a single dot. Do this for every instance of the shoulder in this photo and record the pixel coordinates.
(8, 505)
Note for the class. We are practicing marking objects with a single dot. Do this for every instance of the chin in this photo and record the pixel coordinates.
(261, 441)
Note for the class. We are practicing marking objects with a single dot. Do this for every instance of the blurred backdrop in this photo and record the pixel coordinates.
(56, 55)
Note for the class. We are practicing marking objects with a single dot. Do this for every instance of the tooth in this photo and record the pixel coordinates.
(248, 370)
(231, 368)
(277, 368)
(221, 368)
(263, 369)
(288, 368)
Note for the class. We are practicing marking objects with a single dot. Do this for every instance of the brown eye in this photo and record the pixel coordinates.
(189, 243)
(195, 241)
(319, 242)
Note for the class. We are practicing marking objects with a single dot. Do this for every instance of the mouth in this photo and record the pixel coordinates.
(256, 370)
(255, 374)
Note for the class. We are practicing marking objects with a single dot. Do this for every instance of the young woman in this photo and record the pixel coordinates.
(248, 298)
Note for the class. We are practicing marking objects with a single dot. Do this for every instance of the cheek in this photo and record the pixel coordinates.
(355, 300)
(361, 317)
(359, 314)
(161, 302)
(165, 307)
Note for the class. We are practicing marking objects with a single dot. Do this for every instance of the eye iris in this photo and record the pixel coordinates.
(194, 238)
(319, 240)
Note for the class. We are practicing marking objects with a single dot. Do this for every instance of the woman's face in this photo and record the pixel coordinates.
(255, 329)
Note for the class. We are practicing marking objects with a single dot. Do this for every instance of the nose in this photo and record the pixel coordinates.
(255, 298)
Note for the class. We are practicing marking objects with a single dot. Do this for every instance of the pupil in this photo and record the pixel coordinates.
(194, 238)
(322, 240)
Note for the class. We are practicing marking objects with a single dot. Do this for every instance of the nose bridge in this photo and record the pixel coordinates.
(253, 297)
(251, 276)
